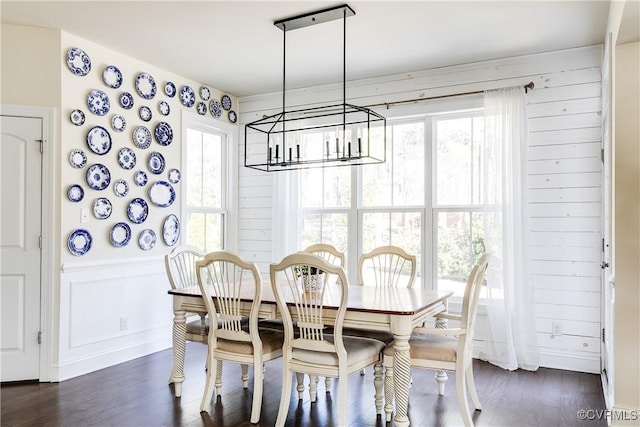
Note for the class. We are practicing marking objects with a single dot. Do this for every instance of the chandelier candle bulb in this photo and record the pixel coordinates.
(277, 156)
(349, 146)
(290, 153)
(270, 154)
(337, 147)
(327, 148)
(359, 146)
(298, 152)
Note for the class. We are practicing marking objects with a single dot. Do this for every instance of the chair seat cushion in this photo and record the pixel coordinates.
(195, 327)
(358, 350)
(430, 347)
(271, 340)
(384, 336)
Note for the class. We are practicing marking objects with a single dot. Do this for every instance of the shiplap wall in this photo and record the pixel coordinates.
(564, 180)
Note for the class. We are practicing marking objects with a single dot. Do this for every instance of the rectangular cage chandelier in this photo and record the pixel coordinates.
(320, 136)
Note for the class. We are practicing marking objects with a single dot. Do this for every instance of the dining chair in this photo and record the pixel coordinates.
(310, 350)
(446, 349)
(226, 278)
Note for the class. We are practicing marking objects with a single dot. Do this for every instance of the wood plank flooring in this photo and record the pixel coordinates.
(136, 393)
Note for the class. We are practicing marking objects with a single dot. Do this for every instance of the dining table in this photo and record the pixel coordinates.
(394, 309)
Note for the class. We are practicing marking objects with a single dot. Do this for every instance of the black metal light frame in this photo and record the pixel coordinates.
(347, 128)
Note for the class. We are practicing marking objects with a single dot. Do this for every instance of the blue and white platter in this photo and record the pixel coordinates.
(155, 163)
(126, 100)
(162, 194)
(102, 208)
(233, 117)
(99, 140)
(202, 108)
(118, 123)
(141, 137)
(171, 230)
(163, 133)
(126, 158)
(174, 176)
(187, 96)
(137, 211)
(120, 234)
(216, 108)
(146, 85)
(112, 77)
(140, 178)
(78, 61)
(120, 188)
(145, 113)
(79, 242)
(77, 158)
(170, 89)
(98, 102)
(226, 102)
(75, 193)
(163, 107)
(77, 117)
(98, 177)
(147, 239)
(205, 93)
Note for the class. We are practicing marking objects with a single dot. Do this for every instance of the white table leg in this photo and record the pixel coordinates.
(179, 349)
(401, 328)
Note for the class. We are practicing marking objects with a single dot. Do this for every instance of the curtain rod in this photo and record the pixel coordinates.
(528, 86)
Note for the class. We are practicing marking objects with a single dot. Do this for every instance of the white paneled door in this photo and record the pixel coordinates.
(20, 231)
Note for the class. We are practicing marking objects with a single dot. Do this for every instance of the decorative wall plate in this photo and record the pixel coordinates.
(75, 193)
(126, 158)
(118, 123)
(171, 230)
(77, 117)
(163, 107)
(126, 100)
(163, 133)
(78, 61)
(155, 163)
(102, 208)
(79, 242)
(162, 194)
(137, 211)
(226, 102)
(202, 108)
(145, 85)
(187, 96)
(98, 102)
(141, 137)
(140, 178)
(112, 77)
(170, 89)
(77, 158)
(215, 107)
(174, 176)
(99, 140)
(147, 239)
(120, 187)
(233, 117)
(120, 234)
(98, 176)
(205, 93)
(145, 113)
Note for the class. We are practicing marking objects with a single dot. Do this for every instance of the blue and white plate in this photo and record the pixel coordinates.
(145, 85)
(120, 235)
(233, 117)
(126, 158)
(137, 211)
(102, 208)
(126, 100)
(163, 107)
(99, 140)
(187, 96)
(202, 108)
(77, 158)
(163, 133)
(120, 187)
(141, 137)
(174, 176)
(216, 108)
(118, 123)
(145, 113)
(98, 102)
(205, 93)
(226, 102)
(78, 61)
(170, 89)
(162, 194)
(79, 242)
(147, 239)
(98, 177)
(77, 117)
(140, 178)
(155, 163)
(171, 230)
(75, 193)
(112, 77)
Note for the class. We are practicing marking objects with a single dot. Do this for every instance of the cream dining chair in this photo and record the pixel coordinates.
(228, 279)
(446, 349)
(308, 349)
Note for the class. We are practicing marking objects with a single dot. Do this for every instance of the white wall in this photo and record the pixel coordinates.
(564, 181)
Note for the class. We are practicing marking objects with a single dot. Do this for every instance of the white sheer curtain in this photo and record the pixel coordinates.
(285, 219)
(510, 341)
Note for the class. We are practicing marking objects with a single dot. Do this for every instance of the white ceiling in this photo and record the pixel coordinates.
(234, 46)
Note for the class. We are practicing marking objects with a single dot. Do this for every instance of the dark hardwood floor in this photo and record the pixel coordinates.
(137, 393)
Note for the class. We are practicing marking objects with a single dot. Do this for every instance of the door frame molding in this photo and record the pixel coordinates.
(49, 239)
